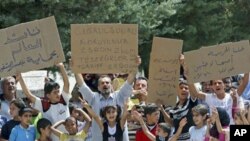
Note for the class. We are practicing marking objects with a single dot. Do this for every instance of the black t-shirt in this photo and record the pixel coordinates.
(7, 127)
(179, 113)
(118, 136)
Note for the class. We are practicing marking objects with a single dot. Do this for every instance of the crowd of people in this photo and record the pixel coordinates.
(114, 107)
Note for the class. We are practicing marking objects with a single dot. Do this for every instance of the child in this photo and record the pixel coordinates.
(24, 131)
(54, 103)
(113, 126)
(15, 106)
(77, 114)
(220, 128)
(43, 128)
(200, 114)
(152, 115)
(71, 126)
(163, 130)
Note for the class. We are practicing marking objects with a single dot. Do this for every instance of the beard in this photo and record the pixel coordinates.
(106, 92)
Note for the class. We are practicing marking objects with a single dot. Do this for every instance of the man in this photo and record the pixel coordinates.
(9, 94)
(105, 97)
(220, 98)
(140, 90)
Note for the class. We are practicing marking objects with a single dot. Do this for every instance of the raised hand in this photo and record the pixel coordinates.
(183, 122)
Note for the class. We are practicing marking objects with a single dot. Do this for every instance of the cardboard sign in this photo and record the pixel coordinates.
(35, 81)
(104, 48)
(218, 61)
(164, 70)
(29, 46)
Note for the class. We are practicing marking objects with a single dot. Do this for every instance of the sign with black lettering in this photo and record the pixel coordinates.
(29, 46)
(218, 61)
(104, 48)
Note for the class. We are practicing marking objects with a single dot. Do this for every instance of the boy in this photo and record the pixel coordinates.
(54, 106)
(163, 130)
(14, 108)
(72, 129)
(43, 128)
(24, 131)
(152, 115)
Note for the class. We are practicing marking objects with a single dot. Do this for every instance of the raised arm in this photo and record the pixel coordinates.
(207, 137)
(64, 76)
(138, 117)
(54, 129)
(243, 85)
(93, 114)
(131, 76)
(243, 116)
(194, 93)
(182, 123)
(166, 116)
(217, 120)
(79, 79)
(83, 116)
(124, 114)
(25, 89)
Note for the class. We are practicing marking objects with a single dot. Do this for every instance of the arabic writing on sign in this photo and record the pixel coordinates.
(29, 46)
(164, 70)
(218, 61)
(27, 33)
(28, 60)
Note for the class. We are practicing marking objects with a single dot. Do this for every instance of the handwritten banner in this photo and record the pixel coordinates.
(28, 46)
(35, 81)
(104, 48)
(218, 61)
(164, 70)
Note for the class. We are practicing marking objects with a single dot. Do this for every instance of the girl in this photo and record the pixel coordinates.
(220, 127)
(113, 125)
(163, 130)
(198, 132)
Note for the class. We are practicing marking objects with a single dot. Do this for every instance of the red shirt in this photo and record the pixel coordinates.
(140, 136)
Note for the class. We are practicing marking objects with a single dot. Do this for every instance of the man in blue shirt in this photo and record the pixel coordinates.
(105, 97)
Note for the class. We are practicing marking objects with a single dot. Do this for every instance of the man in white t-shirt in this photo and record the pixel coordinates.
(54, 106)
(219, 98)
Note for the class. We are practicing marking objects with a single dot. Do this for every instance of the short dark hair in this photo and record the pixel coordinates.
(42, 123)
(140, 78)
(19, 103)
(24, 110)
(105, 109)
(72, 107)
(49, 86)
(150, 108)
(165, 127)
(183, 82)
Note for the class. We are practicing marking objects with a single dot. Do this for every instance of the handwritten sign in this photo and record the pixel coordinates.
(164, 70)
(104, 48)
(28, 46)
(34, 81)
(219, 61)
